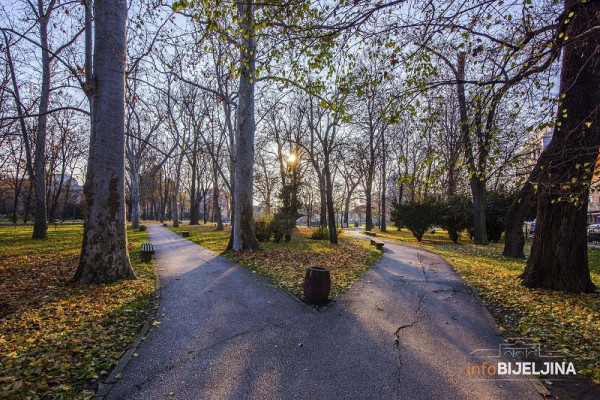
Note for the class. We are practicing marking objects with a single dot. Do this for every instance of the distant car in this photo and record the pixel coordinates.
(226, 220)
(529, 227)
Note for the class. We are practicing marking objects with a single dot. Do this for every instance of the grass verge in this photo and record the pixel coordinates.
(560, 321)
(59, 339)
(285, 263)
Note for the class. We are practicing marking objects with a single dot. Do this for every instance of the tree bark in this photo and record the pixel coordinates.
(244, 237)
(104, 255)
(558, 257)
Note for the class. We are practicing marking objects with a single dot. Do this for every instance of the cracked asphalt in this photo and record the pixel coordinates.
(406, 330)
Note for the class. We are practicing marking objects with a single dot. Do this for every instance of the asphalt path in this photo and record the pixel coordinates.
(408, 329)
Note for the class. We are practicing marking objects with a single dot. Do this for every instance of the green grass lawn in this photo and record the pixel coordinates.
(285, 263)
(59, 339)
(568, 322)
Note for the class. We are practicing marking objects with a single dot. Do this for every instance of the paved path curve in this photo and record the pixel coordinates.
(405, 330)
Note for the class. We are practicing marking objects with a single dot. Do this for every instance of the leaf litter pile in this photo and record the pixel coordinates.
(59, 339)
(560, 321)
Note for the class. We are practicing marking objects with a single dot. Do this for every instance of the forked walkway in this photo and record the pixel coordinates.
(405, 330)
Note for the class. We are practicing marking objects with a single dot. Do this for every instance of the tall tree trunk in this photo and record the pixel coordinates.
(293, 195)
(134, 179)
(104, 255)
(347, 204)
(369, 205)
(478, 189)
(330, 207)
(174, 202)
(244, 237)
(558, 257)
(383, 224)
(164, 199)
(193, 195)
(323, 196)
(40, 223)
(216, 207)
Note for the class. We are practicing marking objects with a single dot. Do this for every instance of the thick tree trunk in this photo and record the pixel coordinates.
(243, 227)
(558, 257)
(104, 255)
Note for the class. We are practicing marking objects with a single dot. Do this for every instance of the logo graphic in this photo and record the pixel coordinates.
(523, 356)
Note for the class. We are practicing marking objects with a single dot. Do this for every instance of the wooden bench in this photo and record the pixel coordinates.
(370, 233)
(377, 243)
(147, 252)
(185, 233)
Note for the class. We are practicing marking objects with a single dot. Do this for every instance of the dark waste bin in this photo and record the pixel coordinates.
(317, 284)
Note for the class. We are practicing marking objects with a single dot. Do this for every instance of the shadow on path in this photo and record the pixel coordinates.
(405, 330)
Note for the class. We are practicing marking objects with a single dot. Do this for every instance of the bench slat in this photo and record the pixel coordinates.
(147, 247)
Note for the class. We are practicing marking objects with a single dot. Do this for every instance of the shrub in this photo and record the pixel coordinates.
(280, 227)
(455, 215)
(416, 216)
(262, 228)
(142, 228)
(320, 233)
